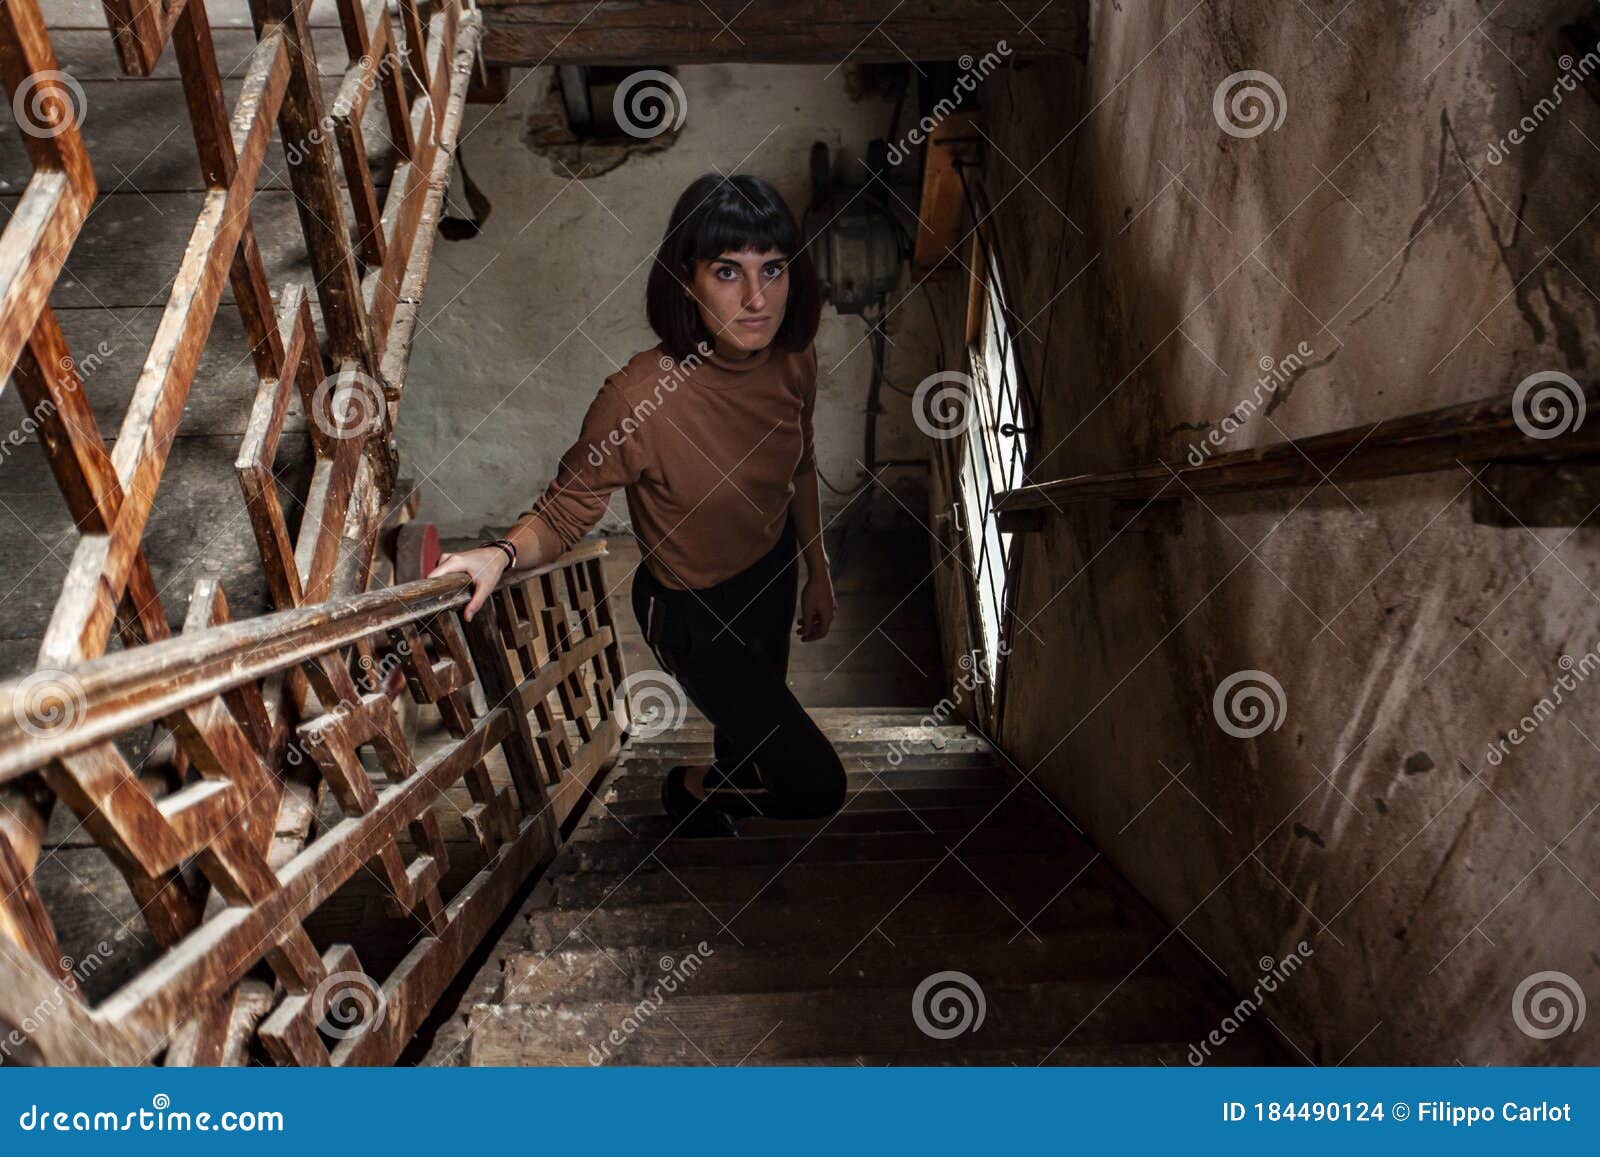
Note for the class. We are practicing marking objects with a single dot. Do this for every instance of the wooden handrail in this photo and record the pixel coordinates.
(127, 688)
(1481, 431)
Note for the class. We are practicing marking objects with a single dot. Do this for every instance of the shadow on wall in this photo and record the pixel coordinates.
(1279, 708)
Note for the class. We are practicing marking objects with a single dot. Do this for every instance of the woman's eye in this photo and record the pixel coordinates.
(726, 274)
(775, 271)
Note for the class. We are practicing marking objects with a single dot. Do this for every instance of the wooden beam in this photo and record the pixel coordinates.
(531, 32)
(954, 141)
(1481, 431)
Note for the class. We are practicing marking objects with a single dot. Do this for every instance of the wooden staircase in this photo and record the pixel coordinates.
(806, 943)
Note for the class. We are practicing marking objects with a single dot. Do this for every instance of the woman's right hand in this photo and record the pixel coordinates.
(484, 564)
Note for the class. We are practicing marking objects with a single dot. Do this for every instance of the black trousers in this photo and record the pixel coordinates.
(728, 647)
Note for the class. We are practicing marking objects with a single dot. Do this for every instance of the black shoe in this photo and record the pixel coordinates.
(693, 817)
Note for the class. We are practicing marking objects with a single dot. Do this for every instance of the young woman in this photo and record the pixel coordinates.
(710, 433)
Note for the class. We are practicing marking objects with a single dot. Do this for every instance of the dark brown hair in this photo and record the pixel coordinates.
(717, 215)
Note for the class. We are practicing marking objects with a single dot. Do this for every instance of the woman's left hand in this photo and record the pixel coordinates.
(816, 607)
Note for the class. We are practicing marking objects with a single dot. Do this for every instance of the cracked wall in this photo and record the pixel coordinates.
(1389, 228)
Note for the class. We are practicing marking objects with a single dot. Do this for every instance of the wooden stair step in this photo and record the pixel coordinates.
(1012, 814)
(1035, 874)
(878, 799)
(642, 779)
(841, 922)
(886, 740)
(582, 855)
(772, 1027)
(1243, 1049)
(631, 973)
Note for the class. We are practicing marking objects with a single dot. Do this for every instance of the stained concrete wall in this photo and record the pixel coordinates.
(1428, 882)
(524, 321)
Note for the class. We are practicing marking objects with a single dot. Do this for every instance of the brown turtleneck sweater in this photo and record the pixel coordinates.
(708, 450)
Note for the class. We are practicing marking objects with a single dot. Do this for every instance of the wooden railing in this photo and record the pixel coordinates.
(367, 238)
(1499, 429)
(278, 813)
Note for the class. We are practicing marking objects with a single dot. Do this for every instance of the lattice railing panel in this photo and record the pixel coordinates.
(348, 378)
(230, 865)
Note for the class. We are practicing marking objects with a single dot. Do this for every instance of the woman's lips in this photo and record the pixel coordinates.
(754, 322)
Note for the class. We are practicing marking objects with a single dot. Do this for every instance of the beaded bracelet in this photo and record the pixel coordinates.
(507, 546)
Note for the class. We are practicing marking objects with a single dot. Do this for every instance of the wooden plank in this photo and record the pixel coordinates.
(1471, 432)
(756, 1028)
(620, 856)
(107, 347)
(656, 32)
(53, 206)
(317, 192)
(140, 29)
(1019, 811)
(104, 265)
(943, 205)
(198, 525)
(603, 974)
(89, 55)
(138, 142)
(843, 922)
(91, 14)
(1024, 878)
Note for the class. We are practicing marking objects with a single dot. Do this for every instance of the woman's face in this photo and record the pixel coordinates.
(741, 298)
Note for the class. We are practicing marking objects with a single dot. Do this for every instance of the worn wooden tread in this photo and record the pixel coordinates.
(841, 922)
(928, 768)
(772, 1027)
(859, 801)
(583, 855)
(1039, 874)
(1012, 814)
(1240, 1050)
(628, 973)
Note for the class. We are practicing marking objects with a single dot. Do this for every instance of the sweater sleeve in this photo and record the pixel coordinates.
(606, 455)
(808, 456)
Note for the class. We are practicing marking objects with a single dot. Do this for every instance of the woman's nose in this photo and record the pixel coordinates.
(757, 298)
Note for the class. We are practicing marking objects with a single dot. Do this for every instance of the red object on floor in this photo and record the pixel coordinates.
(416, 551)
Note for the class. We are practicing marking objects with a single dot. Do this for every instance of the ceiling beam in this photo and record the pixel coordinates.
(524, 33)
